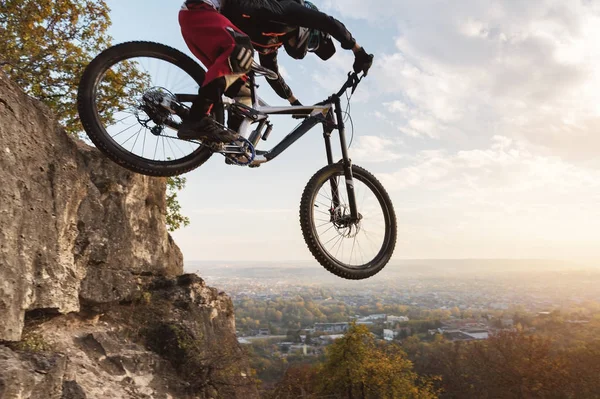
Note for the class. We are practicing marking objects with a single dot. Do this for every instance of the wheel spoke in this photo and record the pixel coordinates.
(136, 138)
(123, 131)
(128, 96)
(346, 242)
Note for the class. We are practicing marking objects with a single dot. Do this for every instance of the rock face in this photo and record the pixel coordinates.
(72, 224)
(82, 239)
(173, 340)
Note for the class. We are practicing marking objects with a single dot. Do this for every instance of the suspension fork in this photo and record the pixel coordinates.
(327, 129)
(347, 162)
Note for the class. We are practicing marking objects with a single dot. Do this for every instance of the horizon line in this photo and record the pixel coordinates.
(411, 259)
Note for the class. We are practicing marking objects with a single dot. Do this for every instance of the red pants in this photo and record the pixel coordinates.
(203, 30)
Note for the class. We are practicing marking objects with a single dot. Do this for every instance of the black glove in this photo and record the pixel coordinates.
(297, 102)
(362, 61)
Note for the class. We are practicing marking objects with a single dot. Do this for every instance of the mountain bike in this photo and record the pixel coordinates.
(133, 120)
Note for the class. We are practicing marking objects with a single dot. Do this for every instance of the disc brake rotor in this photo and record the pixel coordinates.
(343, 221)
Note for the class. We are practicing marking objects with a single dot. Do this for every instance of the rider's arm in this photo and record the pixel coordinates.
(281, 88)
(295, 14)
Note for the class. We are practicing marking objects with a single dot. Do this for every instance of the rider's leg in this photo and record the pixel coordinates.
(240, 92)
(226, 52)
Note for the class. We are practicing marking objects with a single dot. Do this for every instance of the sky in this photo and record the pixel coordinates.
(479, 117)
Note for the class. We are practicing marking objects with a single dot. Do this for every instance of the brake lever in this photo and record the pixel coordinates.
(356, 82)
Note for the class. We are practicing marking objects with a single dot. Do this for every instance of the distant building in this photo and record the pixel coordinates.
(373, 317)
(397, 319)
(466, 335)
(453, 335)
(286, 345)
(478, 334)
(330, 338)
(331, 327)
(389, 335)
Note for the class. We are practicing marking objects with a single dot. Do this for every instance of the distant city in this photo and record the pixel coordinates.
(288, 314)
(469, 299)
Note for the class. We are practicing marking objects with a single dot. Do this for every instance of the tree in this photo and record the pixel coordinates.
(507, 365)
(46, 44)
(293, 335)
(527, 363)
(297, 382)
(308, 340)
(44, 47)
(356, 367)
(174, 217)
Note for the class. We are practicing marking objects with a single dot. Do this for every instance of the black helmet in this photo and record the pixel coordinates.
(305, 39)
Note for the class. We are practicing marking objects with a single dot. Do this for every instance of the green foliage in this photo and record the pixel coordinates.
(297, 382)
(44, 47)
(293, 335)
(510, 364)
(551, 356)
(357, 367)
(31, 342)
(46, 44)
(174, 217)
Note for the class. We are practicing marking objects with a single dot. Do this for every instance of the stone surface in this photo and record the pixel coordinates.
(173, 341)
(73, 225)
(24, 375)
(92, 300)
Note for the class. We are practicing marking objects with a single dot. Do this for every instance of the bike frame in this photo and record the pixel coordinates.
(318, 113)
(328, 113)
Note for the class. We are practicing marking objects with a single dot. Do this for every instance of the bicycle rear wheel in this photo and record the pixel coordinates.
(351, 250)
(128, 107)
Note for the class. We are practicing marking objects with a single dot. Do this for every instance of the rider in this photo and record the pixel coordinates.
(223, 34)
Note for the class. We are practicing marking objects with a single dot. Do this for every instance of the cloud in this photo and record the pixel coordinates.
(508, 170)
(490, 113)
(505, 200)
(477, 68)
(376, 149)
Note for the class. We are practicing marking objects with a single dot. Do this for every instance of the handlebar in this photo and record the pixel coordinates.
(352, 82)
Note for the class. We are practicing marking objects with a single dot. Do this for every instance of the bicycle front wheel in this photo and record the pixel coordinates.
(348, 248)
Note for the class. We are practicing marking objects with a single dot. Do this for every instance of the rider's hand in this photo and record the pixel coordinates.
(362, 61)
(297, 102)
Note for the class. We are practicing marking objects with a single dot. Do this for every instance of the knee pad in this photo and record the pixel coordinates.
(240, 60)
(240, 91)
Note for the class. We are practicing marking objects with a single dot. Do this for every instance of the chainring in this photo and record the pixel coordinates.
(249, 153)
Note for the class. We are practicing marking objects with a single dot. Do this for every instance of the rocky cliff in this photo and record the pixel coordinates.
(93, 299)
